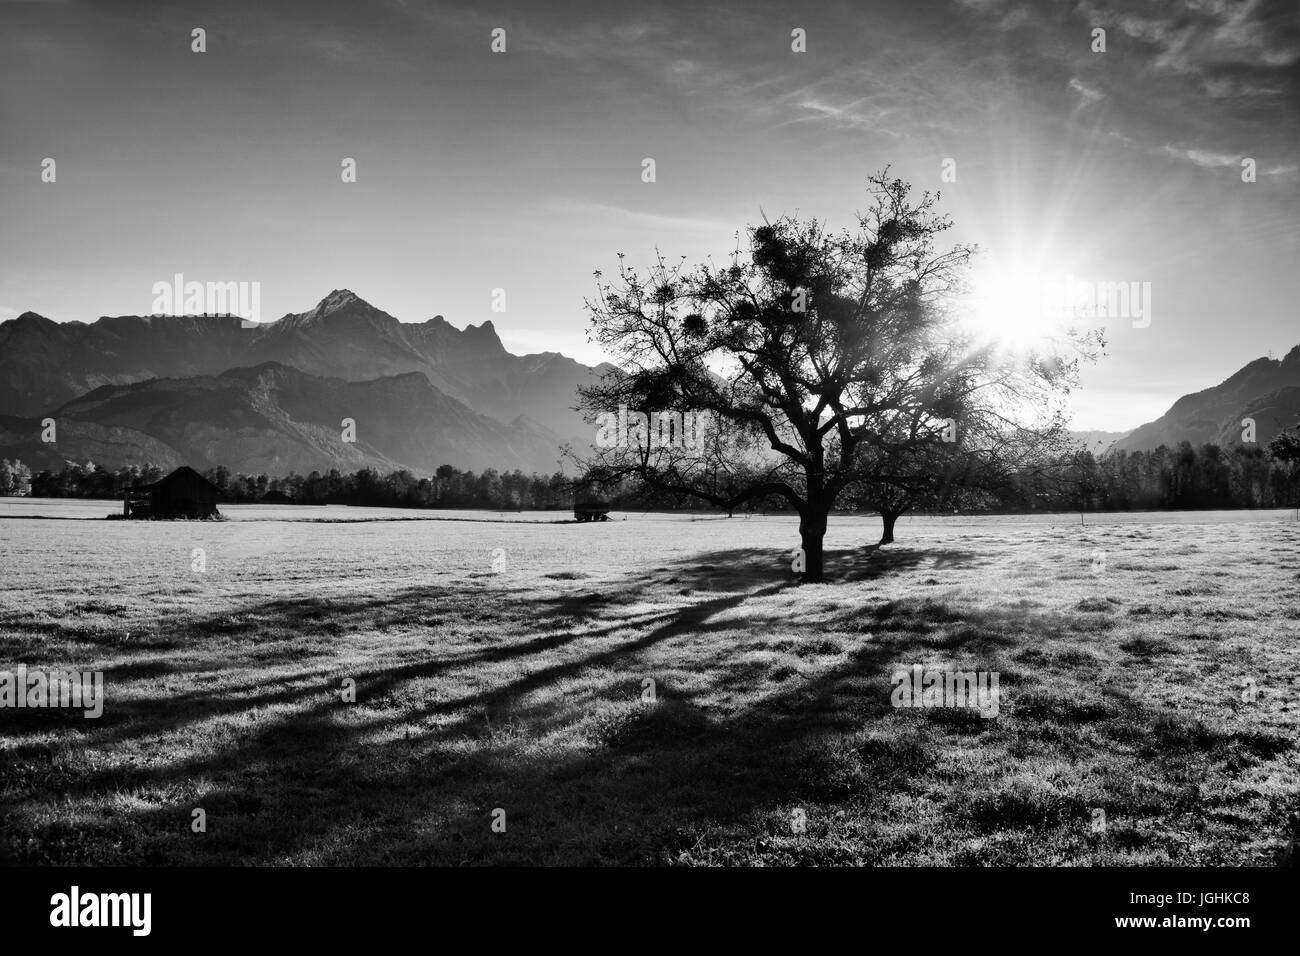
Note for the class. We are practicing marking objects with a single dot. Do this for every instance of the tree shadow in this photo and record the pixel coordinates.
(548, 720)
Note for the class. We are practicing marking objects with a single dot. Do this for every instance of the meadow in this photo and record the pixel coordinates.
(657, 689)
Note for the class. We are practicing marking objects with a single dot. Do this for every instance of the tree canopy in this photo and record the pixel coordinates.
(823, 362)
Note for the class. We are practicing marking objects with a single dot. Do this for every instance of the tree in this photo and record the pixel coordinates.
(1285, 448)
(220, 476)
(818, 361)
(15, 478)
(981, 459)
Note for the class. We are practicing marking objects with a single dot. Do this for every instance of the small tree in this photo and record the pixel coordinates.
(979, 459)
(819, 362)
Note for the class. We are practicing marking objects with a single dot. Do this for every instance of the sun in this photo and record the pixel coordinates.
(1008, 304)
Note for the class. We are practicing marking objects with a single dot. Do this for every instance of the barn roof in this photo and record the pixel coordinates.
(184, 471)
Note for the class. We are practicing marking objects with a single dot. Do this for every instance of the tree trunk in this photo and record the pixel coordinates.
(812, 530)
(888, 518)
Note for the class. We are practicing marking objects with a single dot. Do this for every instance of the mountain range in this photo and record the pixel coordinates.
(1266, 390)
(205, 390)
(272, 398)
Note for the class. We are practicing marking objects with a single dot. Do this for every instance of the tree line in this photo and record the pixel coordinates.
(448, 487)
(1183, 477)
(1180, 478)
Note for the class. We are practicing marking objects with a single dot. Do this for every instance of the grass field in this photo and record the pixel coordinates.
(500, 663)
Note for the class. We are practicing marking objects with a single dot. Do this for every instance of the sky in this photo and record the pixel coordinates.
(522, 170)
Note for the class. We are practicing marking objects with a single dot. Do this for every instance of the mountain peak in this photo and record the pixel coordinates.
(340, 299)
(341, 308)
(44, 365)
(486, 337)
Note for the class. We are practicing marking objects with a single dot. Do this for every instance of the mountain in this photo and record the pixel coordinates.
(1267, 390)
(1097, 442)
(205, 390)
(109, 445)
(276, 419)
(44, 364)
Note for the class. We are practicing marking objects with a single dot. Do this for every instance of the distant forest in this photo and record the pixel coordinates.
(448, 487)
(1166, 478)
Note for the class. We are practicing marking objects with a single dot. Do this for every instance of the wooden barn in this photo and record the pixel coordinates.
(182, 494)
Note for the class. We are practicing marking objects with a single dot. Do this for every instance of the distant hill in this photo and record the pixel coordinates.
(276, 419)
(45, 364)
(1097, 442)
(1267, 390)
(109, 445)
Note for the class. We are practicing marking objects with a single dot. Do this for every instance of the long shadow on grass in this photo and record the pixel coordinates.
(311, 739)
(544, 721)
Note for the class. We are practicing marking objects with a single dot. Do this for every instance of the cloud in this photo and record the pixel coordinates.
(1199, 37)
(638, 219)
(1201, 157)
(1087, 94)
(1208, 159)
(1008, 16)
(1227, 87)
(861, 113)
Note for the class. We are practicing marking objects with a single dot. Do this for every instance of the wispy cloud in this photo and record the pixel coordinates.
(1201, 157)
(638, 219)
(1206, 38)
(1087, 95)
(1208, 159)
